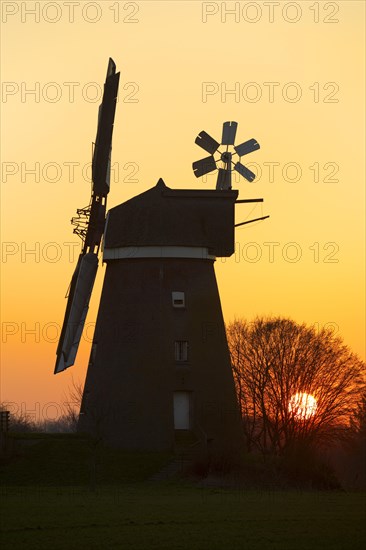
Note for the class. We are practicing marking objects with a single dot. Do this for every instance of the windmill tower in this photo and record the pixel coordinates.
(159, 364)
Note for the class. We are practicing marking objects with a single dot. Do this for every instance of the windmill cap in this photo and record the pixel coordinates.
(163, 216)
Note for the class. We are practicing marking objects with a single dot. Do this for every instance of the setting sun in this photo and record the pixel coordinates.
(302, 405)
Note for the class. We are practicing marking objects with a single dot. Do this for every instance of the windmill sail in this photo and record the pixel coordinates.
(78, 303)
(90, 225)
(103, 140)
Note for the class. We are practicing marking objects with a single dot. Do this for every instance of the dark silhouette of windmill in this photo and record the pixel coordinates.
(159, 364)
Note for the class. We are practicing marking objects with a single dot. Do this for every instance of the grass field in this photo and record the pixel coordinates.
(50, 502)
(161, 517)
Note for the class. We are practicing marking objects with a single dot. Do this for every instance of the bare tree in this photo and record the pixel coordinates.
(358, 422)
(20, 421)
(294, 383)
(71, 405)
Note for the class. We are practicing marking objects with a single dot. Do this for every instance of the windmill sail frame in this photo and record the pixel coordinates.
(209, 164)
(89, 226)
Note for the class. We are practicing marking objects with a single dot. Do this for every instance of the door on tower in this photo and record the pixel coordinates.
(182, 410)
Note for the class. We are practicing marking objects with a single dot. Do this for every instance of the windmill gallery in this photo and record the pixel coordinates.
(159, 363)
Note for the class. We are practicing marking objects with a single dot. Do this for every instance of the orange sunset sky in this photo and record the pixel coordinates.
(290, 73)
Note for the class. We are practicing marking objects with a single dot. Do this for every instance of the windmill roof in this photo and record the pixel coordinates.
(174, 217)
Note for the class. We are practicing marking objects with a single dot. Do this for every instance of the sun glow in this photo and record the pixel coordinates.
(302, 405)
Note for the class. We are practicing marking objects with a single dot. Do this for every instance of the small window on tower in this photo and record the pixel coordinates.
(178, 299)
(181, 350)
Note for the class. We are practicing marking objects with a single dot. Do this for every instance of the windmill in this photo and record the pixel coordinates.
(159, 365)
(89, 225)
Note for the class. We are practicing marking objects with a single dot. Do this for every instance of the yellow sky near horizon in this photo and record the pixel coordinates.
(296, 84)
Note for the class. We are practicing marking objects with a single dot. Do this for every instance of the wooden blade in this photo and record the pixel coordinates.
(244, 171)
(204, 166)
(247, 147)
(229, 133)
(207, 142)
